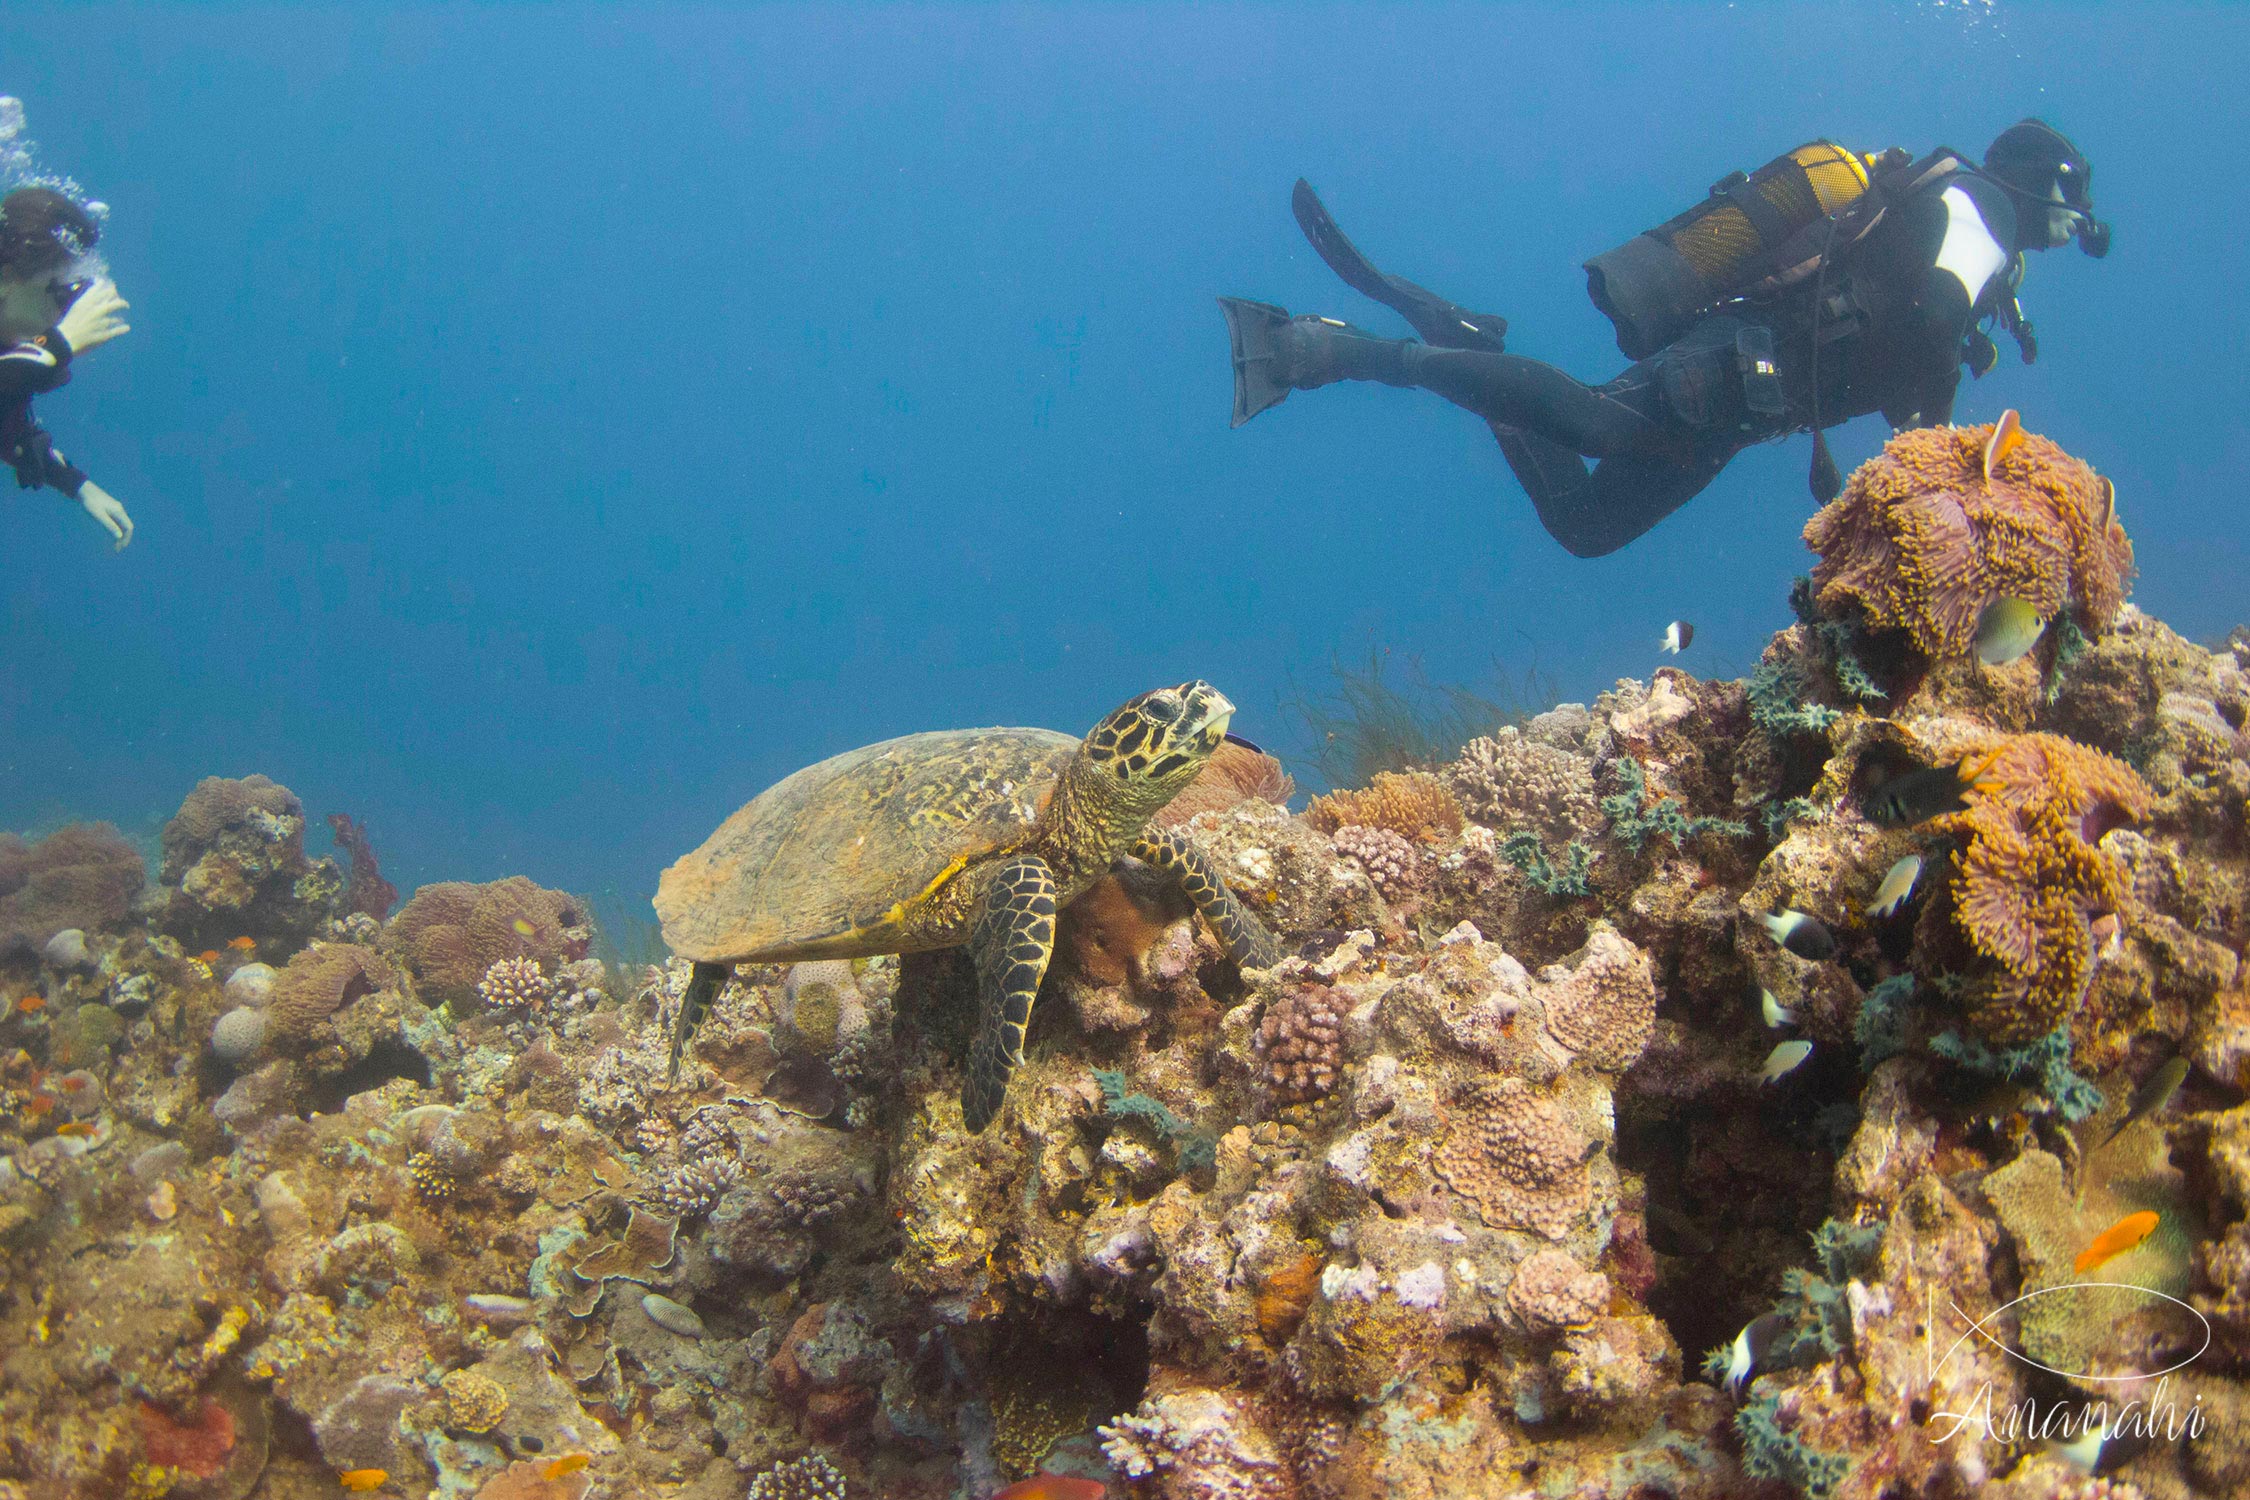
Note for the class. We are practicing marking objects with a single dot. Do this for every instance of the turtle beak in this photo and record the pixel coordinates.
(1218, 711)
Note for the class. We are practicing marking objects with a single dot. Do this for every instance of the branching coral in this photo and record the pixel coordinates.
(1921, 541)
(1390, 862)
(2031, 879)
(1300, 1043)
(1509, 782)
(517, 984)
(689, 1189)
(809, 1478)
(1412, 804)
(1511, 1152)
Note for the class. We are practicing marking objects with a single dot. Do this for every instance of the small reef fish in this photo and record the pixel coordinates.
(525, 929)
(2115, 1241)
(1681, 1234)
(2083, 1453)
(1896, 887)
(31, 1005)
(363, 1479)
(1784, 1059)
(1776, 1013)
(2109, 505)
(2007, 437)
(208, 956)
(1930, 792)
(2109, 937)
(1678, 636)
(1751, 1346)
(1045, 1486)
(2151, 1096)
(242, 944)
(78, 1128)
(2007, 629)
(568, 1464)
(1800, 934)
(40, 1105)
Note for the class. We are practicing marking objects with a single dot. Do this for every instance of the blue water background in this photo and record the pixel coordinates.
(546, 427)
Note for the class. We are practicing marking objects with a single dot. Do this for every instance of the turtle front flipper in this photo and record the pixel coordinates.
(1248, 942)
(1011, 943)
(703, 988)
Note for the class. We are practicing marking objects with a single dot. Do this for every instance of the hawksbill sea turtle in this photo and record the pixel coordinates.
(968, 838)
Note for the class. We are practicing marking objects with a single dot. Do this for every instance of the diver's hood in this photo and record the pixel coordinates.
(2044, 167)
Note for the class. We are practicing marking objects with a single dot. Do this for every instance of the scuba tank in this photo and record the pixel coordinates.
(1656, 284)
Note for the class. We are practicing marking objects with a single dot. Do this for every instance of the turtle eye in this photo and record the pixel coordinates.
(1161, 708)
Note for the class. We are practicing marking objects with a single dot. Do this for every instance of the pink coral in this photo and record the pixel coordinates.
(515, 984)
(1511, 1153)
(1552, 1291)
(1604, 1006)
(1389, 860)
(1922, 541)
(1300, 1041)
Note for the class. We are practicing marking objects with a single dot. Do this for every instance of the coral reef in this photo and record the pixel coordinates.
(1455, 1199)
(1921, 540)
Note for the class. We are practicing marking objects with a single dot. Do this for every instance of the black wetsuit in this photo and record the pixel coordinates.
(1892, 340)
(29, 369)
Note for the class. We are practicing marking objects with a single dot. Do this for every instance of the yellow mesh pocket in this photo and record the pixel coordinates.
(1717, 244)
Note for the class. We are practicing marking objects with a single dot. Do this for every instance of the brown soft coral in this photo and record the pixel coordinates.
(2031, 879)
(84, 875)
(1922, 542)
(1233, 775)
(316, 984)
(450, 934)
(1412, 804)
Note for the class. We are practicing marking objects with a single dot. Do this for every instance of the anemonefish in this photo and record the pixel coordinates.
(2007, 437)
(1678, 636)
(1045, 1486)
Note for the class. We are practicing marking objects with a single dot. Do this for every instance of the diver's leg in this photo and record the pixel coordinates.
(1275, 354)
(1594, 514)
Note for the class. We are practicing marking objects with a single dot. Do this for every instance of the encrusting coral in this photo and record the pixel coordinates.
(1514, 1155)
(1921, 541)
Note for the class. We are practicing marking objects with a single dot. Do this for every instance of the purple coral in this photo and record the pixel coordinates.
(691, 1188)
(1301, 1044)
(1388, 858)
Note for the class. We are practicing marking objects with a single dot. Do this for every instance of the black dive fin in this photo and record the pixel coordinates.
(1445, 324)
(1250, 329)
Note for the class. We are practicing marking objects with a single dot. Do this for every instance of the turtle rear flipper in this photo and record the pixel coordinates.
(1248, 942)
(703, 988)
(1013, 939)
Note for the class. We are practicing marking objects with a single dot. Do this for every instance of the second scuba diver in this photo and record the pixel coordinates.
(48, 319)
(1824, 286)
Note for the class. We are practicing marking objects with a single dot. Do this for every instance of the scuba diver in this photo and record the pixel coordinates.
(1821, 287)
(48, 319)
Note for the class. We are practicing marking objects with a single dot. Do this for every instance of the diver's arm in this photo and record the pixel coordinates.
(108, 512)
(33, 367)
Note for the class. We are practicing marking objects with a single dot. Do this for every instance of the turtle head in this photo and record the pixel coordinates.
(1147, 750)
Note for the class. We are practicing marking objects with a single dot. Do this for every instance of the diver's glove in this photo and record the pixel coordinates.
(105, 508)
(93, 319)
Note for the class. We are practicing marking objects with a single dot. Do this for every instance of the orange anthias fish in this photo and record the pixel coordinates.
(2115, 1241)
(2007, 437)
(77, 1128)
(363, 1479)
(242, 944)
(1053, 1487)
(40, 1105)
(569, 1463)
(31, 1005)
(208, 956)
